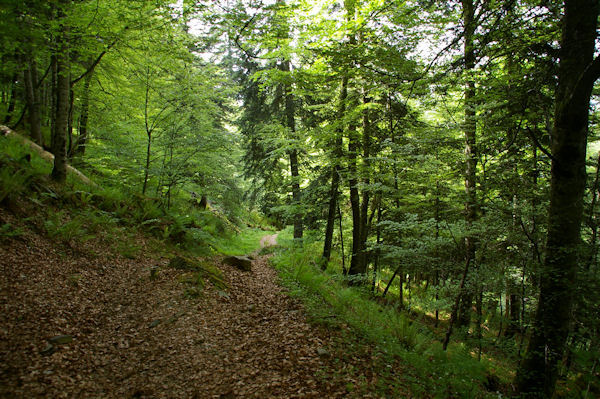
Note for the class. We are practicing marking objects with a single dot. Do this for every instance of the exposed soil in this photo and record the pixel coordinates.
(134, 337)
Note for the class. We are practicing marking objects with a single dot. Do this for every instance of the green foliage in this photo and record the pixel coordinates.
(128, 249)
(60, 227)
(329, 301)
(194, 284)
(17, 167)
(8, 231)
(201, 270)
(243, 243)
(12, 183)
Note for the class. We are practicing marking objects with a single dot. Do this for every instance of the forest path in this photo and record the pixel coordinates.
(133, 337)
(269, 240)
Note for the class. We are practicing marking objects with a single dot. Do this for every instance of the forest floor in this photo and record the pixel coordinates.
(122, 334)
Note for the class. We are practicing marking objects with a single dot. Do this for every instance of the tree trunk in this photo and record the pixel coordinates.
(461, 312)
(83, 122)
(32, 100)
(355, 265)
(147, 167)
(61, 117)
(359, 208)
(53, 80)
(298, 228)
(513, 308)
(290, 119)
(363, 260)
(71, 144)
(12, 101)
(335, 175)
(149, 129)
(377, 241)
(464, 317)
(577, 72)
(344, 271)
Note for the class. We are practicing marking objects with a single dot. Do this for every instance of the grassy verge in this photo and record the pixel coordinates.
(242, 243)
(430, 371)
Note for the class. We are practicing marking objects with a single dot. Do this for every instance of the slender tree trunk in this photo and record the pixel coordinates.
(148, 131)
(298, 228)
(501, 316)
(355, 266)
(147, 167)
(437, 267)
(344, 271)
(290, 121)
(12, 101)
(335, 175)
(464, 317)
(364, 207)
(389, 284)
(592, 219)
(70, 143)
(479, 306)
(377, 241)
(53, 81)
(61, 117)
(32, 100)
(461, 312)
(353, 148)
(83, 122)
(513, 307)
(577, 72)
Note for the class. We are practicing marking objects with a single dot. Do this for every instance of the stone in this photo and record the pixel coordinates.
(322, 352)
(154, 324)
(61, 339)
(241, 262)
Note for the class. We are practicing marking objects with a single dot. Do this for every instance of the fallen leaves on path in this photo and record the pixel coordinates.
(133, 337)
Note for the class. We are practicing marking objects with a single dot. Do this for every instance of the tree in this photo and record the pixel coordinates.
(577, 73)
(62, 95)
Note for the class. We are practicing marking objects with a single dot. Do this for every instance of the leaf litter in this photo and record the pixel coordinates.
(123, 334)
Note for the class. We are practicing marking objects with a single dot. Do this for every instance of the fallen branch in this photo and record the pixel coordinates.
(5, 131)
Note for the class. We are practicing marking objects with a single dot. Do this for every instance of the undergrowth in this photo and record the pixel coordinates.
(76, 212)
(431, 372)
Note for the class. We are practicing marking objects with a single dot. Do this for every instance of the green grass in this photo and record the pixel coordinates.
(431, 372)
(243, 243)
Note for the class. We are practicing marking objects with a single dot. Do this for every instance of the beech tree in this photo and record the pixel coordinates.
(577, 73)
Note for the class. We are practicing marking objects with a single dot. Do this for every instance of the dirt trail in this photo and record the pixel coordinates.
(269, 240)
(136, 338)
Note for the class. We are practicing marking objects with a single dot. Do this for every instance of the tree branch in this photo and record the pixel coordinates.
(95, 63)
(39, 82)
(538, 145)
(588, 77)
